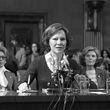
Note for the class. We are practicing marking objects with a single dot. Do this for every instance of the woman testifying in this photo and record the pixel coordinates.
(53, 68)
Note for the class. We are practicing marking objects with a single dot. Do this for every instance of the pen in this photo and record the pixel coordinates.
(28, 79)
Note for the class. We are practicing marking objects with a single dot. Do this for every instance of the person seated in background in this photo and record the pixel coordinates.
(25, 61)
(13, 45)
(8, 80)
(21, 57)
(52, 69)
(2, 45)
(11, 62)
(35, 51)
(106, 59)
(28, 53)
(75, 54)
(89, 60)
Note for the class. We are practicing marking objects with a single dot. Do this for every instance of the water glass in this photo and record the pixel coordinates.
(108, 85)
(84, 87)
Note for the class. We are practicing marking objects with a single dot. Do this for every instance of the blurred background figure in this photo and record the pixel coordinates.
(21, 57)
(28, 53)
(106, 59)
(35, 48)
(8, 80)
(75, 55)
(1, 43)
(3, 46)
(11, 62)
(13, 46)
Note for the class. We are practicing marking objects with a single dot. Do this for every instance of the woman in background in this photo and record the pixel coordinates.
(74, 54)
(89, 60)
(8, 80)
(106, 59)
(35, 52)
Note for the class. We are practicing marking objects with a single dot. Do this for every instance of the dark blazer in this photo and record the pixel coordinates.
(39, 70)
(12, 80)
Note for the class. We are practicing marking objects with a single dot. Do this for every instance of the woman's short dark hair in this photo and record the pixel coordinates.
(84, 53)
(4, 50)
(102, 51)
(53, 29)
(38, 46)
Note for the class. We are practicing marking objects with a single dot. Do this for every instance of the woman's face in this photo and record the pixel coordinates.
(90, 58)
(2, 59)
(105, 54)
(58, 42)
(34, 47)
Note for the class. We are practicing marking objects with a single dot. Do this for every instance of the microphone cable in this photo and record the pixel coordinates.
(60, 84)
(56, 102)
(51, 102)
(65, 100)
(72, 103)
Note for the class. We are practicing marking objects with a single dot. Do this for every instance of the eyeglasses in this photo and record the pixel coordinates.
(2, 57)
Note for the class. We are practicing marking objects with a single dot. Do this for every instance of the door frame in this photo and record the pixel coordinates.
(21, 17)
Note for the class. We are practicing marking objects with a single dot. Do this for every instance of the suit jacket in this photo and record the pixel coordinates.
(12, 80)
(39, 70)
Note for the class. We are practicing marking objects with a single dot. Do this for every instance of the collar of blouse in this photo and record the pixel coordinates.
(53, 64)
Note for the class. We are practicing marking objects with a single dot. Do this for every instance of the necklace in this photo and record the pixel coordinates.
(92, 75)
(54, 64)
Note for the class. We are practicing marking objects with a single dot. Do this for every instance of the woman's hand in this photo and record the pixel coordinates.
(80, 78)
(23, 87)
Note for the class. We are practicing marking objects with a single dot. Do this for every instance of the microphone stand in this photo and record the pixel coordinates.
(49, 108)
(56, 103)
(60, 78)
(61, 81)
(72, 103)
(65, 100)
